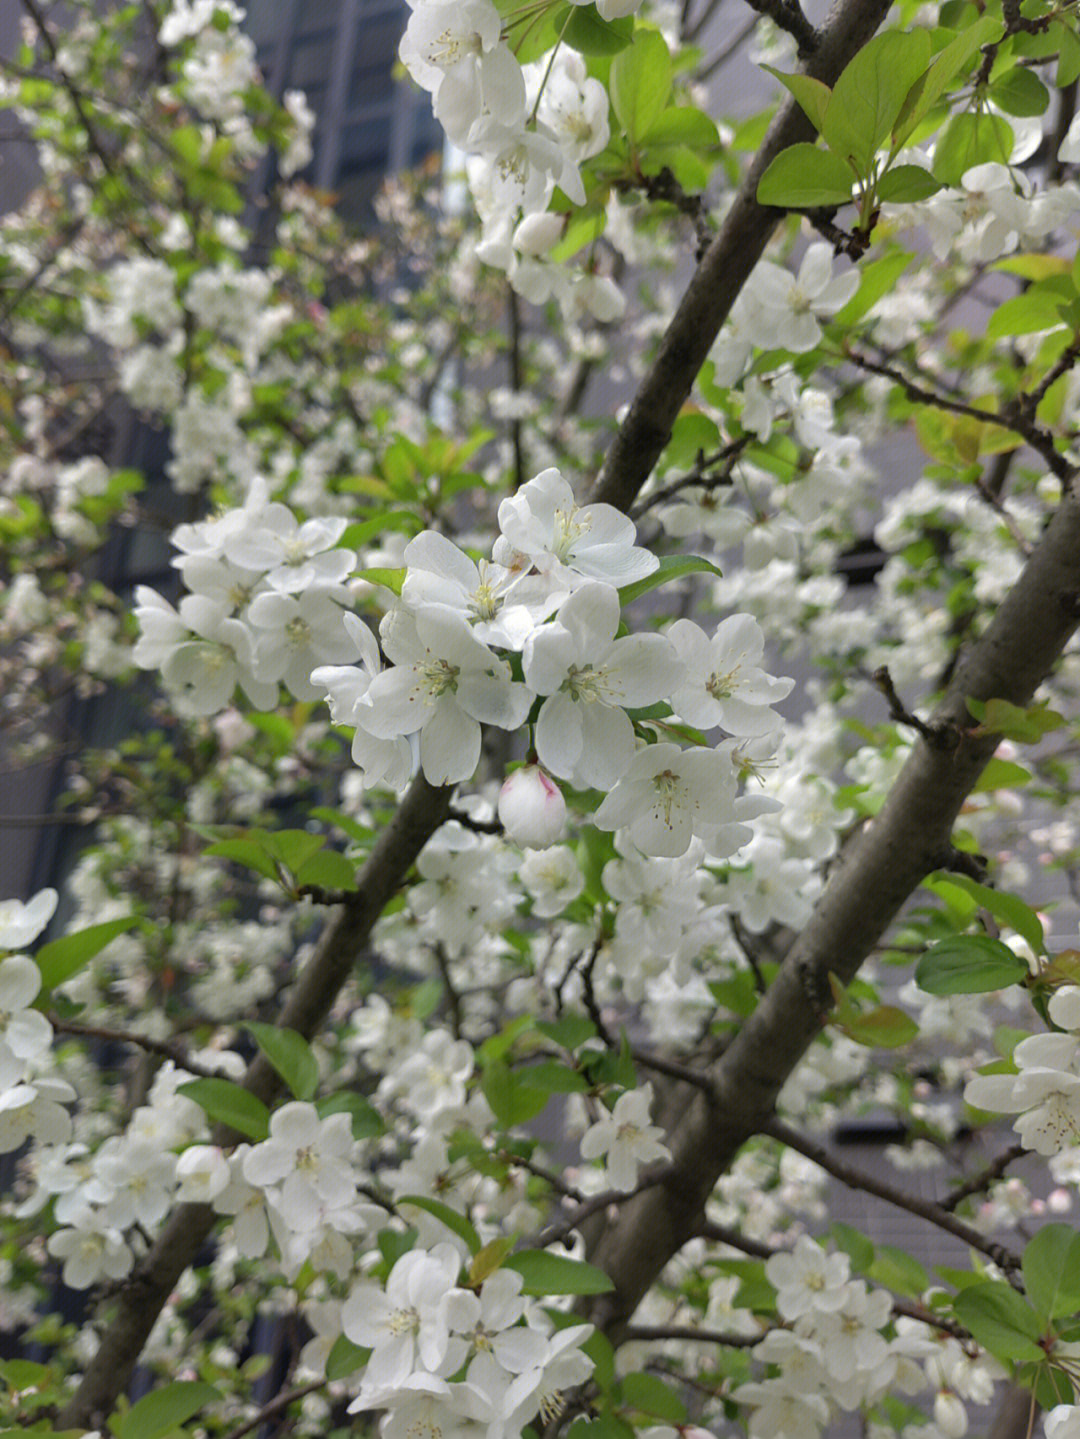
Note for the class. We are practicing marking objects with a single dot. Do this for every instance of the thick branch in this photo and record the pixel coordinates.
(879, 869)
(421, 812)
(722, 272)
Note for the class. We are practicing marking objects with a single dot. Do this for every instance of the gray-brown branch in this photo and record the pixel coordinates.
(341, 944)
(722, 272)
(878, 871)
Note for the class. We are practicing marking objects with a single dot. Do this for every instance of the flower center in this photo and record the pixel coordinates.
(568, 530)
(588, 684)
(721, 687)
(438, 676)
(667, 786)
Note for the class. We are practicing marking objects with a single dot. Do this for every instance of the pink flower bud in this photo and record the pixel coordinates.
(532, 809)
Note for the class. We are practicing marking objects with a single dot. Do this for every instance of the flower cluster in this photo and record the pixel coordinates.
(548, 598)
(265, 608)
(426, 1327)
(527, 131)
(31, 1097)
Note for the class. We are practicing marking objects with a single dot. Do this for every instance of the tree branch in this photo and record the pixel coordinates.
(144, 1293)
(927, 1209)
(877, 871)
(722, 272)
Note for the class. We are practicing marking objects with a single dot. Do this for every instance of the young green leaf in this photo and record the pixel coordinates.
(969, 964)
(1051, 1268)
(164, 1410)
(802, 177)
(290, 1054)
(1001, 1321)
(867, 98)
(641, 83)
(61, 958)
(555, 1274)
(229, 1104)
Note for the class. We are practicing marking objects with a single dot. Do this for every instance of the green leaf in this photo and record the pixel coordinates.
(803, 177)
(1026, 314)
(641, 83)
(897, 1269)
(971, 139)
(906, 184)
(855, 1245)
(290, 1054)
(884, 1027)
(812, 95)
(61, 958)
(345, 1358)
(329, 869)
(671, 567)
(1001, 774)
(1001, 1321)
(512, 1098)
(683, 125)
(1008, 908)
(291, 847)
(229, 1104)
(570, 1031)
(367, 1122)
(164, 1410)
(488, 1258)
(948, 63)
(247, 852)
(878, 278)
(969, 964)
(545, 1273)
(556, 1078)
(455, 1222)
(868, 97)
(1051, 1267)
(589, 34)
(1068, 68)
(389, 579)
(650, 1395)
(1020, 92)
(1025, 726)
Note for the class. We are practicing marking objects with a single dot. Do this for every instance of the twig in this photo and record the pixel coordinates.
(789, 17)
(929, 1210)
(723, 1234)
(691, 1332)
(1014, 417)
(941, 737)
(703, 476)
(994, 1170)
(453, 999)
(513, 314)
(588, 994)
(555, 1233)
(275, 1406)
(164, 1047)
(673, 1070)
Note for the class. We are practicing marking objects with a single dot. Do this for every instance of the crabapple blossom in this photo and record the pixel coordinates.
(724, 685)
(444, 683)
(590, 678)
(544, 525)
(626, 1139)
(20, 924)
(531, 808)
(668, 795)
(409, 1321)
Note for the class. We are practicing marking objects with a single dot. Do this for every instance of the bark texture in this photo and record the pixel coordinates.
(909, 838)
